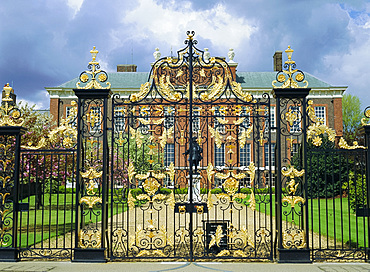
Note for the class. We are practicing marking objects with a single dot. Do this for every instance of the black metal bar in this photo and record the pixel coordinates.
(367, 142)
(190, 60)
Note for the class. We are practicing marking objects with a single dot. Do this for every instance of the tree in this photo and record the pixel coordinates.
(37, 124)
(352, 115)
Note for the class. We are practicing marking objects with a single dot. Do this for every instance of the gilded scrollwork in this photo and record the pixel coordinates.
(93, 77)
(10, 115)
(215, 134)
(89, 238)
(343, 144)
(294, 237)
(317, 129)
(292, 186)
(291, 77)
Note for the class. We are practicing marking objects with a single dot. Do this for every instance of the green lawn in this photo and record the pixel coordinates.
(331, 218)
(56, 217)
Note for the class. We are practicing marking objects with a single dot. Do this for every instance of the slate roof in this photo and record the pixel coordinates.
(249, 80)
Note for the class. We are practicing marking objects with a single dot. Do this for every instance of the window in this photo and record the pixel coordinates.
(169, 117)
(169, 154)
(245, 155)
(95, 119)
(320, 114)
(267, 180)
(294, 114)
(294, 150)
(246, 123)
(220, 155)
(144, 113)
(119, 119)
(196, 120)
(220, 114)
(267, 155)
(72, 113)
(272, 118)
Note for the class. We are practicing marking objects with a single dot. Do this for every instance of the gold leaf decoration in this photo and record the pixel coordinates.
(210, 172)
(159, 121)
(209, 200)
(144, 121)
(293, 200)
(130, 201)
(238, 90)
(239, 121)
(319, 129)
(343, 144)
(222, 175)
(159, 197)
(171, 201)
(171, 171)
(90, 201)
(252, 201)
(231, 186)
(215, 134)
(216, 238)
(222, 121)
(143, 197)
(252, 172)
(151, 186)
(292, 172)
(144, 90)
(136, 134)
(142, 176)
(131, 171)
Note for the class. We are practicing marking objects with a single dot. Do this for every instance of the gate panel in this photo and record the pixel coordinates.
(47, 203)
(337, 203)
(191, 165)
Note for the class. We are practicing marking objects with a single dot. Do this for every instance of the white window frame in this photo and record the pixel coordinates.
(220, 156)
(266, 154)
(297, 126)
(119, 119)
(245, 155)
(97, 125)
(247, 122)
(320, 113)
(169, 154)
(68, 112)
(169, 115)
(196, 120)
(218, 126)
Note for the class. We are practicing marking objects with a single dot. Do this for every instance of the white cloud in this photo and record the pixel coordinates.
(351, 68)
(168, 24)
(75, 5)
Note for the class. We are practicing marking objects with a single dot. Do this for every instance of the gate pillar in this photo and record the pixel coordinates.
(11, 131)
(92, 165)
(290, 190)
(366, 130)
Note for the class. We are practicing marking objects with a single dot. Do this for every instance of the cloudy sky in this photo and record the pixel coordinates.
(45, 43)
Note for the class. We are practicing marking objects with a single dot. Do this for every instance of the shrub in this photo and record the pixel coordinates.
(356, 190)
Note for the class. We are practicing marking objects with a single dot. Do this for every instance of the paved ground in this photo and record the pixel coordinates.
(179, 267)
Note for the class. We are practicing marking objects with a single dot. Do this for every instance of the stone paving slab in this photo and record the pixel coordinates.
(39, 266)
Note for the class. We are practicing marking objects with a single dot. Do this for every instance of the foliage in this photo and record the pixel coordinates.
(356, 190)
(352, 115)
(38, 124)
(325, 167)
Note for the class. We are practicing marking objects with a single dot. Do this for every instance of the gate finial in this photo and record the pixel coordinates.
(290, 77)
(94, 76)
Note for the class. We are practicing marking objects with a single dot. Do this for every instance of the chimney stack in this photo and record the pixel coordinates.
(278, 61)
(126, 68)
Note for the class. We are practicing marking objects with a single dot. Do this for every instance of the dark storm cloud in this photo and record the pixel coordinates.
(46, 43)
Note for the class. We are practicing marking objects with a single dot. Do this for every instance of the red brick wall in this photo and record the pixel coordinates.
(338, 116)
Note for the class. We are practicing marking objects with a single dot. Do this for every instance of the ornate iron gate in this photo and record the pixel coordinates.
(184, 169)
(188, 178)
